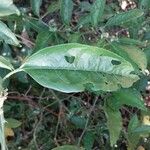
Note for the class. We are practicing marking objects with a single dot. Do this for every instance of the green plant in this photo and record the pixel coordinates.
(113, 67)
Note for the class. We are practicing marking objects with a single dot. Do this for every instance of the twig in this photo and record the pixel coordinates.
(38, 122)
(22, 38)
(31, 102)
(87, 121)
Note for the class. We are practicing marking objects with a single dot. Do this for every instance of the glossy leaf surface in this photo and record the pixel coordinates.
(4, 63)
(7, 8)
(7, 35)
(74, 67)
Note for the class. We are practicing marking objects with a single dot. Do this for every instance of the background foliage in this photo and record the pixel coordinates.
(39, 118)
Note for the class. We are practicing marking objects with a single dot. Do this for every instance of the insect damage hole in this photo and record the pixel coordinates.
(116, 62)
(70, 59)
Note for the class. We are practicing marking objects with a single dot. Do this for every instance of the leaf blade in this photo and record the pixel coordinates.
(114, 123)
(4, 63)
(7, 35)
(8, 8)
(124, 17)
(66, 11)
(89, 65)
(35, 4)
(97, 10)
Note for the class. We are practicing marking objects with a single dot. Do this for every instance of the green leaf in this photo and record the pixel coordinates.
(147, 53)
(8, 8)
(84, 20)
(4, 63)
(144, 129)
(74, 38)
(129, 97)
(114, 123)
(132, 54)
(129, 41)
(78, 121)
(144, 4)
(134, 123)
(137, 55)
(91, 65)
(66, 11)
(88, 140)
(97, 10)
(124, 17)
(54, 6)
(85, 6)
(12, 123)
(35, 4)
(133, 139)
(1, 84)
(68, 147)
(7, 35)
(42, 40)
(136, 131)
(37, 25)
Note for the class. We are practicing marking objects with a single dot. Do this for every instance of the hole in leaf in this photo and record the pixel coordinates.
(134, 72)
(140, 69)
(70, 59)
(116, 62)
(106, 83)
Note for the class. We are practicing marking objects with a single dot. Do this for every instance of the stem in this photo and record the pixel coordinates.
(88, 119)
(11, 73)
(2, 130)
(3, 97)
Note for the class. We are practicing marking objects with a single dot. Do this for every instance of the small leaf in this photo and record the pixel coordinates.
(134, 123)
(54, 6)
(124, 17)
(147, 54)
(35, 4)
(135, 131)
(90, 66)
(74, 38)
(144, 4)
(129, 41)
(42, 40)
(129, 97)
(97, 10)
(137, 55)
(143, 129)
(88, 140)
(78, 121)
(68, 147)
(85, 6)
(132, 54)
(114, 123)
(7, 35)
(12, 123)
(84, 20)
(8, 8)
(66, 11)
(4, 63)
